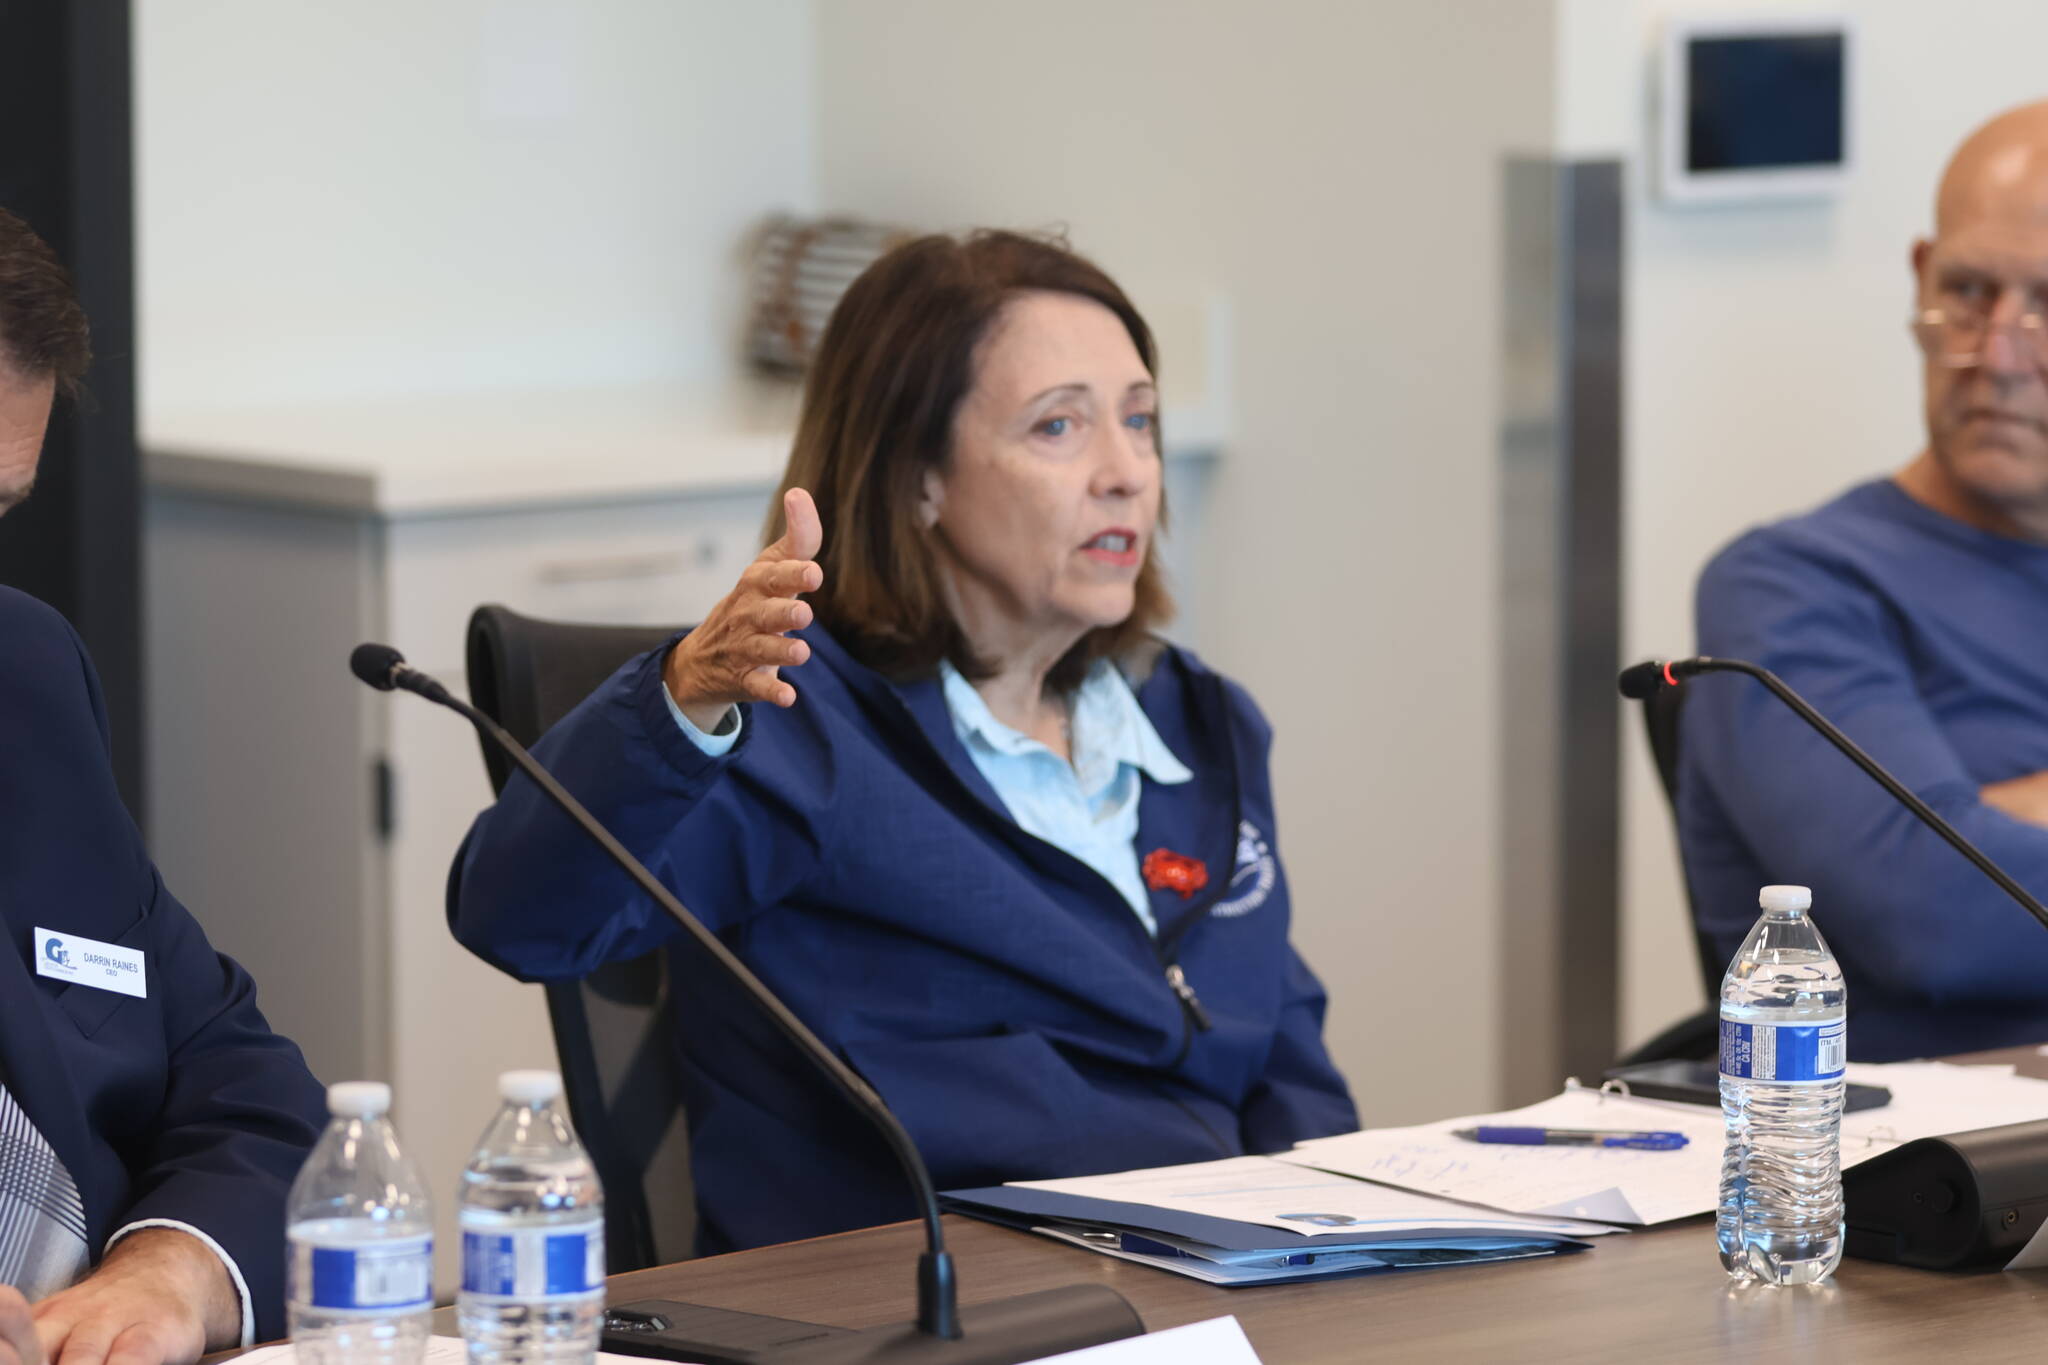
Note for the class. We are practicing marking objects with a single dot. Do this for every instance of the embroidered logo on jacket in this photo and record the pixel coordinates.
(1251, 881)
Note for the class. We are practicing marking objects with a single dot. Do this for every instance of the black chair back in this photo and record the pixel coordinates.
(1662, 711)
(1695, 1036)
(612, 1032)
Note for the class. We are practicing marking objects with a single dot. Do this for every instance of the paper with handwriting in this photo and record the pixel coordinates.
(1607, 1184)
(1623, 1185)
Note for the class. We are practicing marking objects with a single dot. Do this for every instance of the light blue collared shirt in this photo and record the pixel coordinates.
(1087, 808)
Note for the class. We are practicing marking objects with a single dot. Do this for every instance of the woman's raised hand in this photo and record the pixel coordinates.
(735, 654)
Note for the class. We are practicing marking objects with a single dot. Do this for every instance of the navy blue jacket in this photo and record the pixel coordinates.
(182, 1105)
(998, 992)
(1926, 641)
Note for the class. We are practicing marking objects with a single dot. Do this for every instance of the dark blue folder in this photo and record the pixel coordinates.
(1244, 1253)
(1027, 1209)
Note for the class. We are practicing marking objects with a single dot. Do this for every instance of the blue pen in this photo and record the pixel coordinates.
(1574, 1137)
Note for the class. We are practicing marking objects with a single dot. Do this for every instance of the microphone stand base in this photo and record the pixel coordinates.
(1006, 1332)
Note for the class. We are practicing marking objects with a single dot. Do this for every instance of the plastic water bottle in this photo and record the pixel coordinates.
(360, 1237)
(532, 1233)
(1783, 1046)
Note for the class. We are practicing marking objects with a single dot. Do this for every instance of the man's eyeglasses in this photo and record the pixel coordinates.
(1956, 337)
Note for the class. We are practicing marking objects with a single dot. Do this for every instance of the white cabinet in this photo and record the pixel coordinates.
(310, 822)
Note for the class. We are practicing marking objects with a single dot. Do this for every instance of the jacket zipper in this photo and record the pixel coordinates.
(1195, 1016)
(1189, 1001)
(1200, 1122)
(1194, 1019)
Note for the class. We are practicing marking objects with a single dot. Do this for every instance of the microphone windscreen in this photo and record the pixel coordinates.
(1641, 680)
(373, 664)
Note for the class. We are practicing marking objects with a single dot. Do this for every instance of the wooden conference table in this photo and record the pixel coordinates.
(1643, 1296)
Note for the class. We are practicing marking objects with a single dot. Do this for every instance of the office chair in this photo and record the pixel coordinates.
(1696, 1036)
(612, 1032)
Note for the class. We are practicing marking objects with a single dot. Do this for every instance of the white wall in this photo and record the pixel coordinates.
(1334, 170)
(343, 200)
(1768, 364)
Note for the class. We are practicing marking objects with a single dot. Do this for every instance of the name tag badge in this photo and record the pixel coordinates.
(88, 962)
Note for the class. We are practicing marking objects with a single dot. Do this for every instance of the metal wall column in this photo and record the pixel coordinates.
(1561, 621)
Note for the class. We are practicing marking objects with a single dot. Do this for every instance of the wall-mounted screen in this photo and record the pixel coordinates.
(1754, 109)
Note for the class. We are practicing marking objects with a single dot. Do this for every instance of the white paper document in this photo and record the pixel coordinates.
(1219, 1341)
(1611, 1184)
(1300, 1199)
(440, 1351)
(1625, 1185)
(1930, 1099)
(2034, 1254)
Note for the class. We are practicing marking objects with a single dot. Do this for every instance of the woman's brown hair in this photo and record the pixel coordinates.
(892, 368)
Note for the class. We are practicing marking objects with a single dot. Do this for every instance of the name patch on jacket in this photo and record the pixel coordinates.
(88, 962)
(1251, 880)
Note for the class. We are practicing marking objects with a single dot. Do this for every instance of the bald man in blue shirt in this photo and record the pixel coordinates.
(1913, 611)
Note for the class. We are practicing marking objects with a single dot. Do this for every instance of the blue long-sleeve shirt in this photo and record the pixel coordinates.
(1926, 641)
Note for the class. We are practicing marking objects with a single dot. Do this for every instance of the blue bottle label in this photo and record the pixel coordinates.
(553, 1262)
(371, 1278)
(1783, 1052)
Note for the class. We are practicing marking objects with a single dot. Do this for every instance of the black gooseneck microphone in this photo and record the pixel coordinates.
(1642, 680)
(1006, 1332)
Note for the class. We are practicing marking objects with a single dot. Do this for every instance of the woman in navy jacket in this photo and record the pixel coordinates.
(1008, 853)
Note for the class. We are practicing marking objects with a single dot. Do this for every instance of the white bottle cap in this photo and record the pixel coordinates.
(358, 1099)
(529, 1087)
(1785, 898)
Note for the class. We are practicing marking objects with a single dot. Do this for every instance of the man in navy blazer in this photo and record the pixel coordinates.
(150, 1121)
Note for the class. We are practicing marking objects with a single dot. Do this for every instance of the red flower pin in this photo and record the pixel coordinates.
(1168, 871)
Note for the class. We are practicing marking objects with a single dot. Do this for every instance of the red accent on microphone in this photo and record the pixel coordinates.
(1667, 676)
